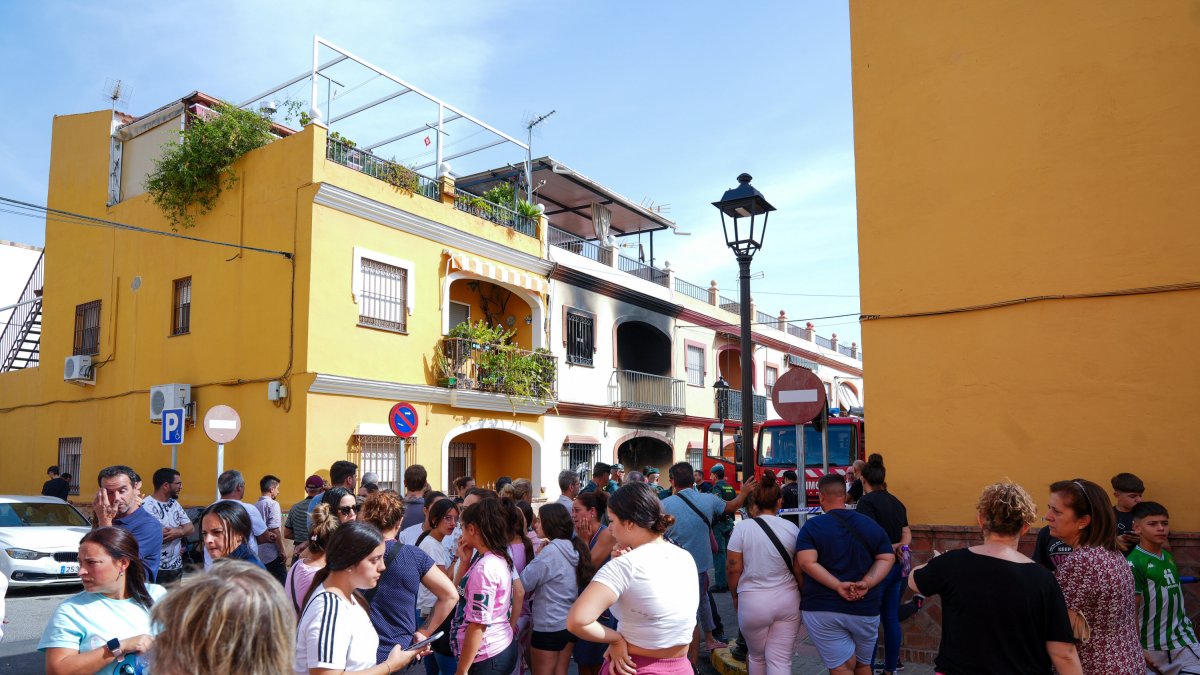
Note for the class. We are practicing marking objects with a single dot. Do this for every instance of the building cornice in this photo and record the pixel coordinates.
(630, 415)
(357, 205)
(342, 385)
(574, 277)
(731, 330)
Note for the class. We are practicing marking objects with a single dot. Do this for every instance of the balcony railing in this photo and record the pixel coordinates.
(642, 271)
(390, 172)
(691, 290)
(503, 369)
(845, 351)
(496, 213)
(642, 391)
(579, 246)
(764, 319)
(729, 405)
(731, 305)
(823, 342)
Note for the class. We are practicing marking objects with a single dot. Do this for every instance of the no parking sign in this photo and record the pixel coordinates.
(403, 419)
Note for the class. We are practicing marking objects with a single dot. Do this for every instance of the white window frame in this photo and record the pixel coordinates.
(356, 284)
(687, 350)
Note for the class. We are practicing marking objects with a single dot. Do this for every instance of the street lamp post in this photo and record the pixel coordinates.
(744, 234)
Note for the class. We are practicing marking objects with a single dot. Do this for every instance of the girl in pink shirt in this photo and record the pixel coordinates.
(481, 633)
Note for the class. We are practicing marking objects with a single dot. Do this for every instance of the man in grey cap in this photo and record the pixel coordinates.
(369, 484)
(652, 477)
(616, 477)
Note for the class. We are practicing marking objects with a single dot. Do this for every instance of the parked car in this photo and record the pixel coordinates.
(39, 540)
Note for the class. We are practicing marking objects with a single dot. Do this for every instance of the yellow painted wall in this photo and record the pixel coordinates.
(498, 453)
(1009, 150)
(516, 308)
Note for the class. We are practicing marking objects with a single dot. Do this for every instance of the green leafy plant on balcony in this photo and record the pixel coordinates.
(500, 365)
(193, 171)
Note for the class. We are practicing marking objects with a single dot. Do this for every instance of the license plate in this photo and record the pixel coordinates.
(72, 568)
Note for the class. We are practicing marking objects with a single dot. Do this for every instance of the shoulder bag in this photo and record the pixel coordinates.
(712, 538)
(787, 560)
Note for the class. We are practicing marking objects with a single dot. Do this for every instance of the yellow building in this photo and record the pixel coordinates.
(1010, 152)
(337, 286)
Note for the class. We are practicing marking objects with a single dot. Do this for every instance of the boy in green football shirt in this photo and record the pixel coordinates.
(1166, 632)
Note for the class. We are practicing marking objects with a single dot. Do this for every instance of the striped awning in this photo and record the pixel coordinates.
(500, 273)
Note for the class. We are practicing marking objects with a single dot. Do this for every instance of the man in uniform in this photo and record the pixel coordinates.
(616, 478)
(652, 477)
(722, 526)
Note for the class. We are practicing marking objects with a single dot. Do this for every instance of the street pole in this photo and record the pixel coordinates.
(748, 452)
(174, 456)
(220, 465)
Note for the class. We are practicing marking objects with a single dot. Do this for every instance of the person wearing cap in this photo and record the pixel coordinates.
(616, 477)
(295, 527)
(652, 477)
(722, 526)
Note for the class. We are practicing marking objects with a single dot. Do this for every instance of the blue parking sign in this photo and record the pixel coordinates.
(172, 426)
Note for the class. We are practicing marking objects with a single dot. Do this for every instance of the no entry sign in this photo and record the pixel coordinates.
(403, 420)
(799, 396)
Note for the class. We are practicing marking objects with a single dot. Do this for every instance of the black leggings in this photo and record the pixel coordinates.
(501, 664)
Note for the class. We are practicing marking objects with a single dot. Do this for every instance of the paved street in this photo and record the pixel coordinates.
(28, 612)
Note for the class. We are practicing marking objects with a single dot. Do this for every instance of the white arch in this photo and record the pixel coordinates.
(534, 300)
(512, 427)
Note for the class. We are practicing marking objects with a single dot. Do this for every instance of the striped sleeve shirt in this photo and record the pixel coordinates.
(1163, 622)
(334, 633)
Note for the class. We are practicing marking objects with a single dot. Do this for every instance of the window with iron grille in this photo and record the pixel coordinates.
(695, 365)
(181, 307)
(581, 338)
(384, 302)
(87, 328)
(386, 456)
(576, 456)
(769, 376)
(461, 461)
(696, 458)
(70, 458)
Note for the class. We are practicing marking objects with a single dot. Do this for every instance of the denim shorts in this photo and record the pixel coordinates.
(838, 637)
(500, 664)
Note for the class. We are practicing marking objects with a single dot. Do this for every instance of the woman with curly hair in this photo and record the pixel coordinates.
(1001, 612)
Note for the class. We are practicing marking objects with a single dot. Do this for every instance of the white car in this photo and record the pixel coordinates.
(39, 540)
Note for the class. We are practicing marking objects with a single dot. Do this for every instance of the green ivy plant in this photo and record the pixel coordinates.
(501, 366)
(193, 171)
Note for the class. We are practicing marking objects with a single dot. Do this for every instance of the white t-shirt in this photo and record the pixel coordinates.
(170, 514)
(272, 517)
(335, 634)
(425, 597)
(257, 527)
(658, 589)
(762, 567)
(408, 536)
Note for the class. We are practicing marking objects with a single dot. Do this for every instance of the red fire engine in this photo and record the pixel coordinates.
(843, 442)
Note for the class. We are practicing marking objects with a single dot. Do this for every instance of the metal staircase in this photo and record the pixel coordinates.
(20, 343)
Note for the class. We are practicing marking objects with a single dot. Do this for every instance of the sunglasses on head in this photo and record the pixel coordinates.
(345, 510)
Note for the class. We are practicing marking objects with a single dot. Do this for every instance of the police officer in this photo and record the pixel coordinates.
(652, 477)
(616, 478)
(722, 526)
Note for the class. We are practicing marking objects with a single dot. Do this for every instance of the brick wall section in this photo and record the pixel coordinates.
(923, 631)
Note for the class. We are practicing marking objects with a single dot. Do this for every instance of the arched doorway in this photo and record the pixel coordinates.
(645, 449)
(489, 449)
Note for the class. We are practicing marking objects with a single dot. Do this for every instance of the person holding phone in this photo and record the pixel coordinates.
(108, 623)
(335, 634)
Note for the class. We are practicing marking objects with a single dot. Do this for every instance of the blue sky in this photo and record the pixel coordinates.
(660, 101)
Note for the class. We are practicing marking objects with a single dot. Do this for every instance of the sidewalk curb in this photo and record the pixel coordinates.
(725, 664)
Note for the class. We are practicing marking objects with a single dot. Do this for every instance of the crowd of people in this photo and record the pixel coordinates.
(617, 575)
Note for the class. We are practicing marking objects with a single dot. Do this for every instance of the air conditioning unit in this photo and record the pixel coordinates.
(78, 369)
(164, 396)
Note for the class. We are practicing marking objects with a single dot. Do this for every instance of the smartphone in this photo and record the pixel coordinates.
(418, 646)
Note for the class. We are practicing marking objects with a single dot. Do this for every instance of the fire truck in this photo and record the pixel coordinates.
(835, 449)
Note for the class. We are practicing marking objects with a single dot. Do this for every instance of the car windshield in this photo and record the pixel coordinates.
(40, 515)
(779, 446)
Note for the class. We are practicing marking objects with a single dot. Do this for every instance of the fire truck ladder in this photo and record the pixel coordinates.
(20, 343)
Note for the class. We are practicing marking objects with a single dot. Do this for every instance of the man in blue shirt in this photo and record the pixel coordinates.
(599, 478)
(117, 505)
(844, 556)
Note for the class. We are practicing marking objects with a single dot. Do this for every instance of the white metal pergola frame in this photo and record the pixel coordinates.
(318, 115)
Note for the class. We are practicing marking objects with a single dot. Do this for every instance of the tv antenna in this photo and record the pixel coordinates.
(648, 204)
(529, 125)
(117, 92)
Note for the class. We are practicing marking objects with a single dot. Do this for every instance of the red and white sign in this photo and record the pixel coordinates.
(799, 396)
(402, 418)
(222, 424)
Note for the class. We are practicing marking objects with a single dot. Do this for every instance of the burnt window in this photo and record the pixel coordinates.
(181, 307)
(580, 337)
(87, 328)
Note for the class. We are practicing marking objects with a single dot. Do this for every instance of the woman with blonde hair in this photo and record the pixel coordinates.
(300, 576)
(1001, 612)
(231, 618)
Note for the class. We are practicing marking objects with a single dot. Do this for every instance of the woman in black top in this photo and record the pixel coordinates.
(879, 505)
(1001, 612)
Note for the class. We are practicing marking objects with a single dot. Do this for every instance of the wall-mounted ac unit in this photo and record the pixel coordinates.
(164, 396)
(78, 370)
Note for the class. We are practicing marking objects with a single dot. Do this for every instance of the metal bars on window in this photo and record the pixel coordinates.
(580, 338)
(696, 458)
(87, 328)
(70, 459)
(385, 456)
(580, 457)
(181, 307)
(695, 365)
(384, 302)
(461, 461)
(770, 375)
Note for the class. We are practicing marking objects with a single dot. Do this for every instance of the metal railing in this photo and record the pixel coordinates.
(493, 212)
(691, 290)
(20, 343)
(392, 173)
(729, 405)
(764, 319)
(845, 351)
(642, 271)
(795, 331)
(643, 391)
(579, 246)
(731, 305)
(502, 369)
(823, 342)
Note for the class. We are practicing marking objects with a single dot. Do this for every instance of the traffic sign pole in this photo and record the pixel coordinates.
(220, 465)
(174, 457)
(221, 424)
